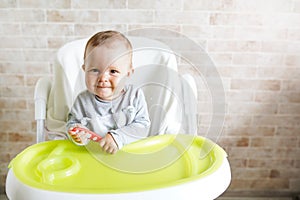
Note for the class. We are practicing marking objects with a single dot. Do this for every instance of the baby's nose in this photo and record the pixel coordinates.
(103, 76)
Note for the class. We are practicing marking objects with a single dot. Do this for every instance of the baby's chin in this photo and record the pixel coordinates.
(108, 95)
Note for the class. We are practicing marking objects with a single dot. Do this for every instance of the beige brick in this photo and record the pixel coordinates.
(10, 103)
(260, 152)
(15, 55)
(226, 5)
(297, 163)
(157, 5)
(273, 142)
(15, 127)
(171, 27)
(288, 131)
(34, 15)
(8, 4)
(5, 157)
(238, 120)
(221, 58)
(261, 184)
(234, 141)
(45, 4)
(233, 96)
(279, 73)
(250, 131)
(58, 29)
(285, 20)
(12, 67)
(295, 183)
(39, 55)
(237, 163)
(237, 152)
(292, 60)
(184, 17)
(241, 173)
(237, 72)
(225, 19)
(274, 46)
(252, 108)
(221, 32)
(3, 138)
(270, 163)
(103, 4)
(17, 137)
(290, 109)
(87, 30)
(126, 16)
(16, 91)
(233, 46)
(268, 85)
(267, 6)
(288, 121)
(266, 34)
(72, 16)
(277, 96)
(291, 153)
(291, 85)
(245, 59)
(17, 115)
(196, 31)
(294, 34)
(293, 47)
(289, 173)
(12, 80)
(10, 29)
(24, 42)
(37, 68)
(240, 84)
(270, 59)
(267, 96)
(57, 42)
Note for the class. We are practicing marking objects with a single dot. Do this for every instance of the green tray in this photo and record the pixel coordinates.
(151, 163)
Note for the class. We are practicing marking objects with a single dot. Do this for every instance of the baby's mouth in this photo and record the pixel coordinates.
(102, 86)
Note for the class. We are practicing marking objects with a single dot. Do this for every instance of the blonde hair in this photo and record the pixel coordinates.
(108, 38)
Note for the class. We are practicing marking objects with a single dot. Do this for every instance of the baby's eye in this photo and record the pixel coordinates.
(93, 71)
(113, 71)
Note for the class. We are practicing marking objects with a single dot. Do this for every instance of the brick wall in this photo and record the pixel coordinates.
(254, 44)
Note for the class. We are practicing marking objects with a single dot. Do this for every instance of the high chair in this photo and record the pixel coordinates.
(200, 167)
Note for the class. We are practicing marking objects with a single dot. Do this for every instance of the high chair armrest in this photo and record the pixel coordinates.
(41, 93)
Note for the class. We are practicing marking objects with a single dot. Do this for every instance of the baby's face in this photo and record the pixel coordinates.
(106, 70)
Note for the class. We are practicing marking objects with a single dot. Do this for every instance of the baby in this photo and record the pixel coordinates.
(109, 107)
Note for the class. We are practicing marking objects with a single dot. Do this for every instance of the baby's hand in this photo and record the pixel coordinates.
(108, 144)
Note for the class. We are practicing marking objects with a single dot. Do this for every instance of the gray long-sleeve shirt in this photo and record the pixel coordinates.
(125, 117)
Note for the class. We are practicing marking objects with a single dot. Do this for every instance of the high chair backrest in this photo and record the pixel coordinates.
(157, 63)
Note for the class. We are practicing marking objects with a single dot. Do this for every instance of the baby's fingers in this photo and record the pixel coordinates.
(108, 146)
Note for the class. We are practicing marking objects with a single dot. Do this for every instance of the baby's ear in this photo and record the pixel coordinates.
(131, 71)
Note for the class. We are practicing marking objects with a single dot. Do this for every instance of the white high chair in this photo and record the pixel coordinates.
(171, 100)
(155, 71)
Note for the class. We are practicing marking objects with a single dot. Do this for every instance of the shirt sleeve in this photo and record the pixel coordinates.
(138, 128)
(75, 113)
